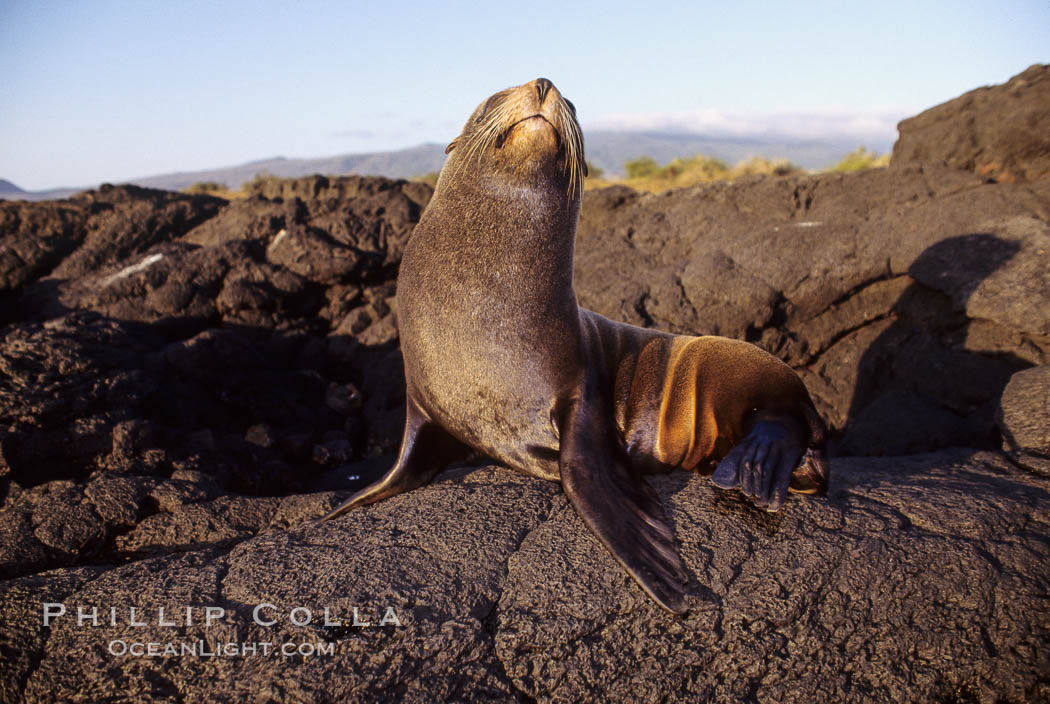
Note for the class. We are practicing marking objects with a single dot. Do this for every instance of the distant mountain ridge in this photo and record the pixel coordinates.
(9, 191)
(403, 163)
(607, 150)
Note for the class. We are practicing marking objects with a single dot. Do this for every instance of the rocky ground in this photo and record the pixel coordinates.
(184, 381)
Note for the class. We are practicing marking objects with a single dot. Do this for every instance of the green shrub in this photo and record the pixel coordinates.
(861, 159)
(642, 167)
(430, 178)
(699, 168)
(646, 174)
(258, 181)
(767, 167)
(205, 187)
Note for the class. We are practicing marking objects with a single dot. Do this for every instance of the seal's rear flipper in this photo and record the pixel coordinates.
(617, 505)
(425, 450)
(761, 464)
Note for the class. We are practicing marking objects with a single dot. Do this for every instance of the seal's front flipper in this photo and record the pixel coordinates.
(617, 505)
(761, 464)
(425, 450)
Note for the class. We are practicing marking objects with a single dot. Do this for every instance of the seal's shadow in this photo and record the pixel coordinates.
(735, 506)
(921, 385)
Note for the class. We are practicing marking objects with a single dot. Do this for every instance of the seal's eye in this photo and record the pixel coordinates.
(484, 110)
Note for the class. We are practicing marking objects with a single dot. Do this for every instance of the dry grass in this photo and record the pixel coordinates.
(430, 178)
(861, 159)
(644, 174)
(219, 190)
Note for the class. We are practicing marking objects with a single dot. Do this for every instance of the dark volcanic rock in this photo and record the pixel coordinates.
(198, 388)
(257, 262)
(352, 188)
(23, 636)
(34, 238)
(999, 132)
(1024, 417)
(69, 238)
(1025, 410)
(62, 523)
(128, 220)
(173, 369)
(82, 394)
(66, 385)
(919, 579)
(876, 286)
(864, 294)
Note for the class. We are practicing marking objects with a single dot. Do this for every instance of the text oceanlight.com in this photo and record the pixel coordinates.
(233, 649)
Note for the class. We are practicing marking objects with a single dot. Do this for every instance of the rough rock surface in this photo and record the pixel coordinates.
(905, 297)
(234, 343)
(184, 381)
(996, 131)
(1024, 416)
(1026, 410)
(69, 238)
(917, 579)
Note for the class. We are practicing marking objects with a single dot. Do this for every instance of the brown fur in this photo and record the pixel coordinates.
(683, 402)
(500, 358)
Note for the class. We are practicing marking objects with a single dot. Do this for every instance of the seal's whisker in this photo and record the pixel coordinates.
(574, 147)
(495, 120)
(527, 381)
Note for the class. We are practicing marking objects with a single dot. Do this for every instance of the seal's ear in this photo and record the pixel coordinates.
(452, 145)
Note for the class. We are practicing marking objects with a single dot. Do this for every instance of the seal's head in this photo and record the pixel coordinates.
(523, 136)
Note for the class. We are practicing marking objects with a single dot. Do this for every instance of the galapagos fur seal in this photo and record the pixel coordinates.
(499, 357)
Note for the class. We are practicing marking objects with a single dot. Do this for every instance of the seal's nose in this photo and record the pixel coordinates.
(543, 86)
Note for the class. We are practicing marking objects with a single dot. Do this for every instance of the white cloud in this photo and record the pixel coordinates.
(876, 124)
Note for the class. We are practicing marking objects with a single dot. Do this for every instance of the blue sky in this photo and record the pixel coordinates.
(106, 91)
